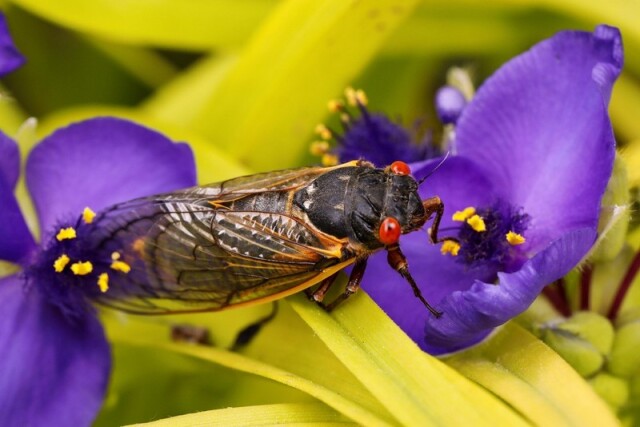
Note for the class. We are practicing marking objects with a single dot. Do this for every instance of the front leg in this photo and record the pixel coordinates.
(434, 205)
(398, 262)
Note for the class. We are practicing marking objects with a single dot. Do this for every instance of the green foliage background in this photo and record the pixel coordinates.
(245, 82)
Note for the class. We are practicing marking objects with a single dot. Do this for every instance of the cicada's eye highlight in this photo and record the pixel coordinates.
(389, 231)
(400, 168)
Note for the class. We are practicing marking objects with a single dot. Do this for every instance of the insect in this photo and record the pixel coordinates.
(261, 237)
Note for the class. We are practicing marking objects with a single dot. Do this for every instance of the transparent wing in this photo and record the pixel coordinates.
(187, 255)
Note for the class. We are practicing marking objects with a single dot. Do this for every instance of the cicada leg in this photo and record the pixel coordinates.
(352, 285)
(434, 205)
(398, 262)
(318, 294)
(247, 334)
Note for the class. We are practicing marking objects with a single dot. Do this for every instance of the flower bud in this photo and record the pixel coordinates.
(591, 327)
(580, 354)
(614, 215)
(613, 390)
(624, 360)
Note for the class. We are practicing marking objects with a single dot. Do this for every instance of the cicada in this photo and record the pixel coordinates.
(261, 237)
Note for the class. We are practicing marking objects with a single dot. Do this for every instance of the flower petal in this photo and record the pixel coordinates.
(10, 58)
(539, 129)
(470, 315)
(458, 183)
(9, 160)
(101, 161)
(15, 239)
(53, 372)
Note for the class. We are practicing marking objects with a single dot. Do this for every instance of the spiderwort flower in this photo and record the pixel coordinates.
(367, 135)
(534, 151)
(10, 58)
(55, 359)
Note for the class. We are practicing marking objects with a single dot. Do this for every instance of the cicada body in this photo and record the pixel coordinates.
(257, 238)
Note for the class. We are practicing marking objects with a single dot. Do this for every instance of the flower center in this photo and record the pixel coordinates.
(490, 236)
(367, 135)
(70, 269)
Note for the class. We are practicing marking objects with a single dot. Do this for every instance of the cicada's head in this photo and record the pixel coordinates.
(386, 205)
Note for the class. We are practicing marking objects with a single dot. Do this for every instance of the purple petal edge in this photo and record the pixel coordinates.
(471, 315)
(10, 58)
(100, 162)
(539, 128)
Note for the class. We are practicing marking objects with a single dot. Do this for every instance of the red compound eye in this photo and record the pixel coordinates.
(400, 168)
(390, 231)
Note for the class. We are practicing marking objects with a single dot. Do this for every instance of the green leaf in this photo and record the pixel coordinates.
(181, 100)
(532, 378)
(185, 24)
(416, 388)
(279, 414)
(137, 331)
(264, 110)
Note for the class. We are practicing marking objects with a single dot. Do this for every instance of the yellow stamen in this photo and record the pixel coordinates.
(477, 223)
(323, 131)
(88, 215)
(465, 214)
(103, 282)
(335, 105)
(345, 118)
(121, 266)
(82, 268)
(515, 239)
(355, 97)
(318, 148)
(361, 97)
(329, 159)
(61, 263)
(450, 247)
(66, 234)
(115, 256)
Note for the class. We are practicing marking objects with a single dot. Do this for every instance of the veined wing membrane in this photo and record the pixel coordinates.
(202, 258)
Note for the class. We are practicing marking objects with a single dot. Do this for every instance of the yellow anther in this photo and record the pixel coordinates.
(121, 266)
(115, 256)
(318, 148)
(329, 159)
(464, 214)
(515, 239)
(88, 215)
(450, 247)
(345, 118)
(477, 223)
(355, 97)
(82, 268)
(335, 105)
(323, 131)
(350, 94)
(103, 282)
(60, 263)
(66, 234)
(361, 97)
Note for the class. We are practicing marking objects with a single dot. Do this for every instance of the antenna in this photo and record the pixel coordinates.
(446, 156)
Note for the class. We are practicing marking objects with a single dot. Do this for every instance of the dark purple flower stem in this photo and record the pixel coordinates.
(557, 297)
(624, 287)
(585, 287)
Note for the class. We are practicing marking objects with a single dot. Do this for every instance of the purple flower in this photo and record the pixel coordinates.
(534, 151)
(55, 359)
(10, 58)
